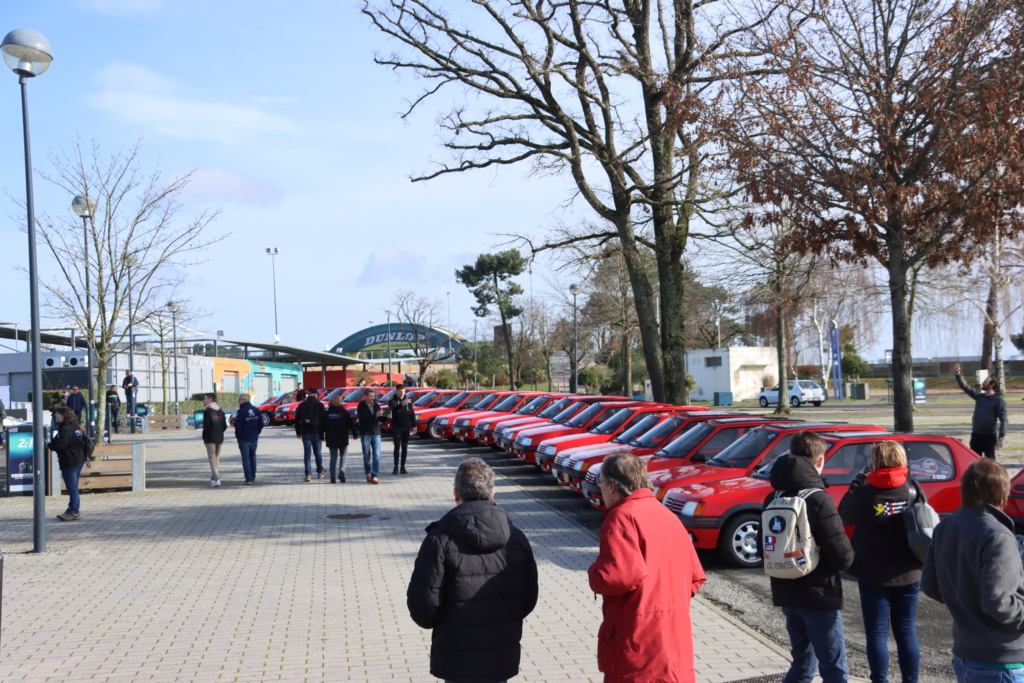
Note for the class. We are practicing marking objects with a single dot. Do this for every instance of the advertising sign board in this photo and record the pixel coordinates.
(20, 470)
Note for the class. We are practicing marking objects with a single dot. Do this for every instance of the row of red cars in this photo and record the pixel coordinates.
(711, 468)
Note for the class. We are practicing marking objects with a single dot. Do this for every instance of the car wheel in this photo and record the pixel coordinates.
(763, 401)
(794, 401)
(817, 404)
(266, 419)
(739, 540)
(434, 430)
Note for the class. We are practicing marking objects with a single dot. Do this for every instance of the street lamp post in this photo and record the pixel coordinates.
(85, 208)
(130, 261)
(389, 345)
(574, 384)
(28, 54)
(272, 252)
(174, 308)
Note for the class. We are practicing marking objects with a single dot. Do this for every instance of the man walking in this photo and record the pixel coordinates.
(988, 424)
(310, 423)
(131, 390)
(369, 416)
(248, 425)
(403, 420)
(812, 604)
(974, 568)
(647, 571)
(76, 402)
(214, 426)
(473, 584)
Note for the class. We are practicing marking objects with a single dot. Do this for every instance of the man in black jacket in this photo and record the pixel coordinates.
(812, 604)
(214, 426)
(369, 415)
(403, 419)
(988, 424)
(474, 581)
(310, 424)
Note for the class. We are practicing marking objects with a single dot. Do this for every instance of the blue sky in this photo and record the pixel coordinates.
(295, 136)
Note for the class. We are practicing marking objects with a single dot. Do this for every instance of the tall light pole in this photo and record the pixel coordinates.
(272, 252)
(29, 54)
(447, 295)
(718, 322)
(574, 382)
(130, 261)
(174, 308)
(85, 208)
(389, 345)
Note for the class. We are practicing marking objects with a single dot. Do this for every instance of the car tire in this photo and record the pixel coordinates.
(433, 430)
(817, 404)
(763, 401)
(738, 541)
(794, 401)
(265, 417)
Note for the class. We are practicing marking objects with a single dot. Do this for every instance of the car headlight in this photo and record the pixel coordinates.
(576, 464)
(526, 441)
(692, 508)
(442, 421)
(549, 450)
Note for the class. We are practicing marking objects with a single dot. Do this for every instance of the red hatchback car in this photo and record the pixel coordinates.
(432, 419)
(537, 411)
(507, 436)
(526, 443)
(267, 409)
(726, 514)
(463, 426)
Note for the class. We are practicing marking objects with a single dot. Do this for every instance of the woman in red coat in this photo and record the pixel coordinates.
(647, 571)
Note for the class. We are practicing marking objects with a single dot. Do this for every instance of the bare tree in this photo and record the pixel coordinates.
(133, 237)
(416, 317)
(160, 323)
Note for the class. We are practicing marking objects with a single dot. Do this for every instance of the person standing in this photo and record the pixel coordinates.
(988, 424)
(339, 426)
(887, 572)
(214, 426)
(69, 444)
(974, 568)
(473, 583)
(300, 393)
(114, 408)
(248, 425)
(403, 421)
(310, 422)
(76, 402)
(130, 384)
(648, 571)
(812, 604)
(369, 415)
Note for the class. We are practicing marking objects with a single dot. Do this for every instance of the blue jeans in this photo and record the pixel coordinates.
(311, 443)
(817, 643)
(371, 454)
(71, 478)
(879, 605)
(248, 451)
(970, 672)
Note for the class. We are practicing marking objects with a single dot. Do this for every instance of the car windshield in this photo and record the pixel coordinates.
(686, 442)
(808, 384)
(533, 406)
(508, 404)
(456, 400)
(386, 397)
(655, 436)
(440, 399)
(646, 423)
(425, 399)
(474, 401)
(350, 395)
(567, 414)
(553, 410)
(586, 416)
(489, 401)
(614, 422)
(744, 451)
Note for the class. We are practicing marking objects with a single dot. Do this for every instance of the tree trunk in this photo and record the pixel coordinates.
(627, 363)
(1000, 373)
(988, 331)
(643, 298)
(902, 363)
(782, 408)
(673, 337)
(101, 404)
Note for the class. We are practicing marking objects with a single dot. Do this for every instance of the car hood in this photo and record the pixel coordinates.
(726, 492)
(568, 439)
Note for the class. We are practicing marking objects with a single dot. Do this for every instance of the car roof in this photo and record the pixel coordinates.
(746, 418)
(839, 427)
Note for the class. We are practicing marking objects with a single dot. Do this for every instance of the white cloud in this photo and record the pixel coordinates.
(388, 264)
(219, 184)
(123, 7)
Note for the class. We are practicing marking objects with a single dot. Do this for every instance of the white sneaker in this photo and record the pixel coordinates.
(214, 483)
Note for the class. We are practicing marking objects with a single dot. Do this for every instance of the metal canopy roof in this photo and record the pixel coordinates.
(22, 334)
(301, 355)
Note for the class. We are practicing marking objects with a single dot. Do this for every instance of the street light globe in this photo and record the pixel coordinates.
(574, 289)
(83, 206)
(26, 52)
(173, 307)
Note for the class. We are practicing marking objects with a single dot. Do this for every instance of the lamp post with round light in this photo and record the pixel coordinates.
(174, 308)
(85, 208)
(28, 54)
(574, 382)
(272, 252)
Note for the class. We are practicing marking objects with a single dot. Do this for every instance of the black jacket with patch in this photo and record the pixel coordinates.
(881, 553)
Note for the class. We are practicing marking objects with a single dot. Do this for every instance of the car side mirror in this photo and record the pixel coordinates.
(699, 457)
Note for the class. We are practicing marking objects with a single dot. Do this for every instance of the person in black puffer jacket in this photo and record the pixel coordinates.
(340, 425)
(812, 604)
(214, 426)
(310, 423)
(474, 581)
(888, 573)
(69, 443)
(403, 421)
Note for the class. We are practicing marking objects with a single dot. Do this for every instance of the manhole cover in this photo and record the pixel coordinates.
(349, 516)
(770, 678)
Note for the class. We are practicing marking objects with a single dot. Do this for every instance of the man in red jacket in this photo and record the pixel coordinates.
(647, 571)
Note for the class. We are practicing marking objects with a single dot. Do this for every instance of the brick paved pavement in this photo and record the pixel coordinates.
(184, 582)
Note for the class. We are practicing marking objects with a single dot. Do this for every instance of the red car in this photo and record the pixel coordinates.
(463, 426)
(507, 435)
(285, 412)
(526, 439)
(726, 514)
(537, 411)
(570, 468)
(619, 423)
(430, 423)
(267, 409)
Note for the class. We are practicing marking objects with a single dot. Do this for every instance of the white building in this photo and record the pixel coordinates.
(737, 369)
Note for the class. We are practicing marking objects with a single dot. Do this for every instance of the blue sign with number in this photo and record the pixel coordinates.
(20, 469)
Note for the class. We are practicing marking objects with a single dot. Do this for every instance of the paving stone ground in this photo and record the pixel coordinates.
(254, 583)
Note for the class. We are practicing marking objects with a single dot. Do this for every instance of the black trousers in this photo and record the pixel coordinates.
(401, 438)
(984, 444)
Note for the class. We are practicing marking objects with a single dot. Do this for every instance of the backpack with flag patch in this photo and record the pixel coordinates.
(790, 550)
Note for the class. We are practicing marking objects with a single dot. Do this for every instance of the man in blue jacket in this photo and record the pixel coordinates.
(76, 402)
(248, 425)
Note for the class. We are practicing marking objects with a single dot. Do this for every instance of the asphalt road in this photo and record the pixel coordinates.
(746, 592)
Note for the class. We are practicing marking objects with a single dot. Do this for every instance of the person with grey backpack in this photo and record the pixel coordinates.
(887, 571)
(811, 603)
